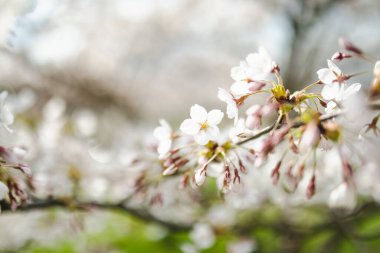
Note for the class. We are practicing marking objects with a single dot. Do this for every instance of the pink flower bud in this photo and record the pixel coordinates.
(349, 46)
(339, 56)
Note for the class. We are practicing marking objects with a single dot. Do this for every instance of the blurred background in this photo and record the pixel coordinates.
(145, 56)
(131, 62)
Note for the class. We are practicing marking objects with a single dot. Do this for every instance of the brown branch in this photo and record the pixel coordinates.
(42, 204)
(294, 125)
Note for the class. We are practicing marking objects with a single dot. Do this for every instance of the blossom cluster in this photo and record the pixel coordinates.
(304, 122)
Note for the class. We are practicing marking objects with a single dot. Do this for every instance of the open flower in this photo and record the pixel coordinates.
(256, 67)
(164, 135)
(342, 93)
(332, 74)
(6, 117)
(232, 106)
(202, 125)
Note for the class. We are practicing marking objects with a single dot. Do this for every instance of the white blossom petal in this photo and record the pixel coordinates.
(240, 88)
(352, 89)
(330, 91)
(214, 117)
(6, 116)
(331, 107)
(239, 73)
(212, 132)
(224, 95)
(334, 68)
(344, 196)
(198, 113)
(326, 76)
(202, 138)
(190, 127)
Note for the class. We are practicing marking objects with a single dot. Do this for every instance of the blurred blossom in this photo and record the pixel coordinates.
(189, 248)
(202, 236)
(85, 122)
(343, 196)
(242, 246)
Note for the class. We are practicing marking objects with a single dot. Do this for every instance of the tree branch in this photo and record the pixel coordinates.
(41, 204)
(294, 125)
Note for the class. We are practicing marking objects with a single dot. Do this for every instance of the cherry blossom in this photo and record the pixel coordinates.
(164, 135)
(256, 67)
(342, 93)
(332, 74)
(202, 125)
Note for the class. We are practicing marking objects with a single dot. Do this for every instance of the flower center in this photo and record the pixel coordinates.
(204, 125)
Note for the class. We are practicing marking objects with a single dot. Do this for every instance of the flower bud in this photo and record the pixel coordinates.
(339, 56)
(349, 46)
(200, 176)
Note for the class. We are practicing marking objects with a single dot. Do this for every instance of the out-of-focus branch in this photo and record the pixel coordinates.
(42, 204)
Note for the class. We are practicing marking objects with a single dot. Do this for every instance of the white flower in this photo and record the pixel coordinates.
(339, 93)
(3, 190)
(343, 196)
(232, 107)
(164, 135)
(202, 125)
(256, 67)
(330, 75)
(6, 117)
(202, 235)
